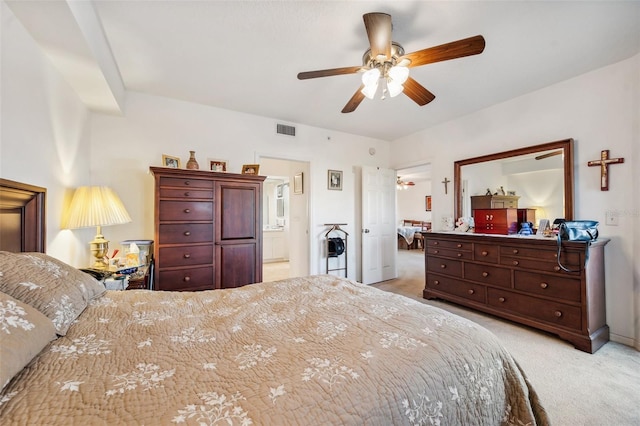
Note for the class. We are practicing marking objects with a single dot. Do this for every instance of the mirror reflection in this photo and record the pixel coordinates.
(537, 181)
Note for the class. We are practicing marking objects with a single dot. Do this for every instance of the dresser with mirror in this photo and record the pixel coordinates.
(517, 277)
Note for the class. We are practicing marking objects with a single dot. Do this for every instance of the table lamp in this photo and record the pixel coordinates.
(96, 206)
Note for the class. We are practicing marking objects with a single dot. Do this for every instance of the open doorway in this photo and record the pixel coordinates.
(285, 218)
(413, 215)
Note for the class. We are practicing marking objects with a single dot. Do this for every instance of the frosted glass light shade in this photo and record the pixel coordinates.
(399, 74)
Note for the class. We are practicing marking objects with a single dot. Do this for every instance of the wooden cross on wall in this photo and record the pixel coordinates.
(604, 167)
(445, 181)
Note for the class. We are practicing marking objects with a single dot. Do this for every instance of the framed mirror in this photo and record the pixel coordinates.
(541, 176)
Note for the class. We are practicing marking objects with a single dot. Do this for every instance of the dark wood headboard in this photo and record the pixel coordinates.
(22, 217)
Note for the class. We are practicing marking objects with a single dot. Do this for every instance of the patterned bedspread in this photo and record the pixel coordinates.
(313, 350)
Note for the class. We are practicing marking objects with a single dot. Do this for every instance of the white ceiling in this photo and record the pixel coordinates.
(245, 55)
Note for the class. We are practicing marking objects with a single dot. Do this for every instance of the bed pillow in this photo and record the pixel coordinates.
(24, 331)
(56, 289)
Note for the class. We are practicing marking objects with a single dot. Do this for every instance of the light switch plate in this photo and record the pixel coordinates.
(611, 218)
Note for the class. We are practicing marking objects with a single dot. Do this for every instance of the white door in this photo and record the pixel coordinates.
(379, 239)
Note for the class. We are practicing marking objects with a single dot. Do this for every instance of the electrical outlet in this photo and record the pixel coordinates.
(611, 218)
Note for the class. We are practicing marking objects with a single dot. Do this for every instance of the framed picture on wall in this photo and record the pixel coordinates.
(427, 202)
(334, 180)
(297, 183)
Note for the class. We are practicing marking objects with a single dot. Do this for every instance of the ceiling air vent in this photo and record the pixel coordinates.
(283, 129)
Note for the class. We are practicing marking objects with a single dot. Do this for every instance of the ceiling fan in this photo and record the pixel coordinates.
(386, 61)
(402, 184)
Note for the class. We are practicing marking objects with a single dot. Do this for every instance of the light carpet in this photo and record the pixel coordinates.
(576, 388)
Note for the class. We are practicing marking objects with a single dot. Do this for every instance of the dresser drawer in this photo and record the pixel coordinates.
(558, 314)
(186, 182)
(547, 285)
(485, 253)
(475, 292)
(186, 193)
(488, 274)
(185, 233)
(185, 256)
(454, 254)
(570, 258)
(186, 210)
(186, 279)
(538, 265)
(444, 266)
(449, 244)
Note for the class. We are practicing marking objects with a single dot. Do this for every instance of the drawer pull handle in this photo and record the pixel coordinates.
(501, 299)
(187, 255)
(435, 243)
(485, 253)
(187, 278)
(544, 285)
(556, 268)
(436, 282)
(555, 255)
(187, 233)
(443, 266)
(470, 291)
(459, 254)
(186, 182)
(515, 251)
(485, 274)
(187, 210)
(515, 263)
(459, 245)
(186, 194)
(557, 314)
(436, 251)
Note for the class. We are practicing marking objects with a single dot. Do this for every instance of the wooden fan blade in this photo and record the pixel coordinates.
(444, 52)
(417, 92)
(378, 27)
(354, 101)
(328, 73)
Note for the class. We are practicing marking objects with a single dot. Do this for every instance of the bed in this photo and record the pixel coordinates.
(310, 350)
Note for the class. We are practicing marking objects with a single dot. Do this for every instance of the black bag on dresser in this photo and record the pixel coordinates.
(577, 230)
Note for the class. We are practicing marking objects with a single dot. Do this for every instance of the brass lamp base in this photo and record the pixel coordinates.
(99, 249)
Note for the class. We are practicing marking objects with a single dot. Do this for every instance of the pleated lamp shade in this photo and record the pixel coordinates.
(96, 206)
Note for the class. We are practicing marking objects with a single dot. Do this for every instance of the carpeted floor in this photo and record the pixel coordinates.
(576, 388)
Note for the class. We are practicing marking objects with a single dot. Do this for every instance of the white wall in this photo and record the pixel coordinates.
(125, 147)
(410, 202)
(44, 137)
(600, 110)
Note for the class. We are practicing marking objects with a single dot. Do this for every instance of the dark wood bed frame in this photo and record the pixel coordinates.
(22, 217)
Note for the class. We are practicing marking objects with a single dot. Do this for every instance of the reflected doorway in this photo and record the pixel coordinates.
(285, 249)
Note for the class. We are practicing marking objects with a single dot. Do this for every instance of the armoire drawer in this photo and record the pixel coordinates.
(185, 256)
(475, 292)
(190, 279)
(186, 182)
(546, 285)
(185, 233)
(449, 267)
(186, 211)
(548, 311)
(488, 274)
(186, 193)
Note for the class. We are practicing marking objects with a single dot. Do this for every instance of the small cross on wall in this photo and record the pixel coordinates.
(445, 181)
(604, 167)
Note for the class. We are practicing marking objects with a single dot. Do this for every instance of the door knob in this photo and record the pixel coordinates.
(365, 231)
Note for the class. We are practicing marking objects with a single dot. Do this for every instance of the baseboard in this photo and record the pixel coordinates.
(622, 340)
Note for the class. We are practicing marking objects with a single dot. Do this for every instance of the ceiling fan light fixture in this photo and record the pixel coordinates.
(370, 80)
(370, 90)
(399, 74)
(394, 88)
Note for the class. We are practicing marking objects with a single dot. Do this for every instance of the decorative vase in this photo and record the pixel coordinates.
(192, 163)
